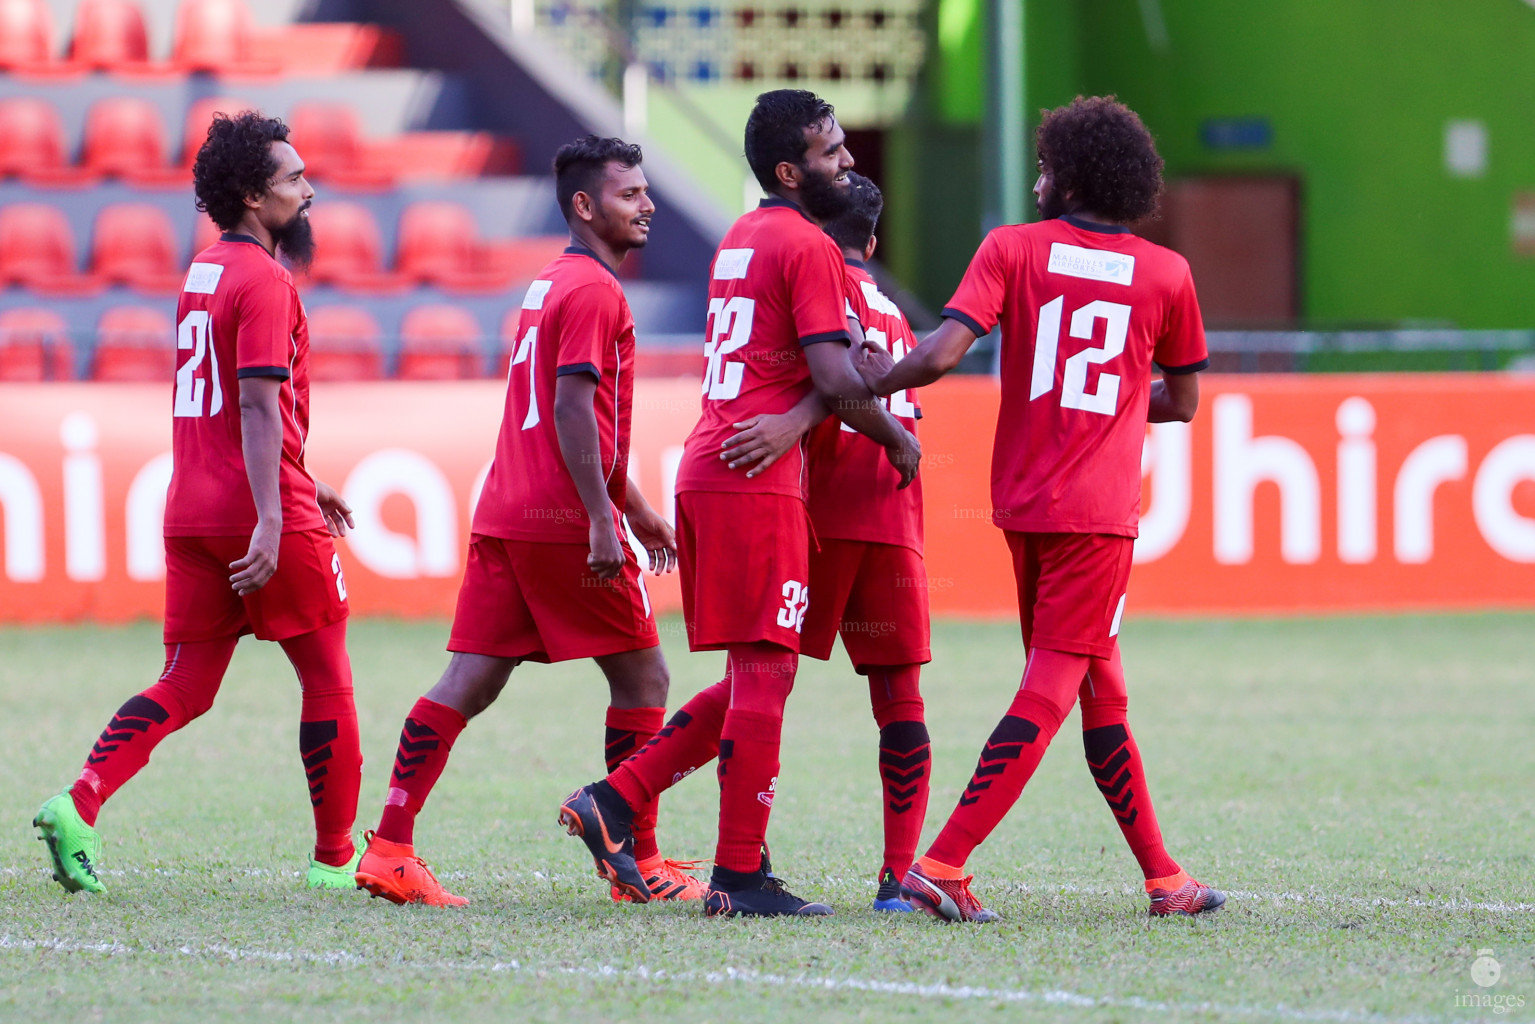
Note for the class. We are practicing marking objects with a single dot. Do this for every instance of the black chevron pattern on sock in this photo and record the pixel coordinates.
(679, 720)
(314, 746)
(727, 751)
(417, 740)
(1002, 748)
(618, 745)
(136, 715)
(1108, 753)
(905, 754)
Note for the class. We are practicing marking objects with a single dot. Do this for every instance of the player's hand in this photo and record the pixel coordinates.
(337, 513)
(254, 570)
(872, 363)
(761, 441)
(607, 556)
(658, 538)
(905, 457)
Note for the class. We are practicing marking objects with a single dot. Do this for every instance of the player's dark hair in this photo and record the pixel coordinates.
(1098, 150)
(580, 165)
(854, 226)
(234, 162)
(775, 131)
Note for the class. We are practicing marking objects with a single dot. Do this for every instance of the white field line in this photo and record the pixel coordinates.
(1238, 895)
(727, 977)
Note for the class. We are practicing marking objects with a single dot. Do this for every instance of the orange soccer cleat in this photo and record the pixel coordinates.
(393, 871)
(1180, 894)
(666, 879)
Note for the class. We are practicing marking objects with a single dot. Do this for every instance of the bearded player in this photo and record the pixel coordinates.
(778, 330)
(866, 571)
(1086, 310)
(550, 575)
(247, 530)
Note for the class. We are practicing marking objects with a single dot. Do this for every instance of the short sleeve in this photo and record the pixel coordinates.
(588, 322)
(816, 280)
(266, 312)
(1181, 347)
(977, 302)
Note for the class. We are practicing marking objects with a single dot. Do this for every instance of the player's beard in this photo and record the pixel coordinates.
(822, 197)
(1050, 204)
(295, 240)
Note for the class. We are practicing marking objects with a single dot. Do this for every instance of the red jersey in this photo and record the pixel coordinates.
(1085, 310)
(575, 319)
(853, 492)
(238, 316)
(775, 286)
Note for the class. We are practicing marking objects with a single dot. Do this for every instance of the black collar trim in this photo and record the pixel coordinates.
(773, 201)
(1087, 225)
(235, 236)
(850, 261)
(581, 250)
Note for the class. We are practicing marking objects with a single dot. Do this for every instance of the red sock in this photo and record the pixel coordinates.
(1115, 762)
(185, 690)
(905, 760)
(1014, 750)
(628, 729)
(762, 675)
(327, 738)
(425, 742)
(687, 742)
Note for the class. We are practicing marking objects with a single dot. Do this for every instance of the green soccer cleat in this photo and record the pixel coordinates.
(327, 876)
(73, 845)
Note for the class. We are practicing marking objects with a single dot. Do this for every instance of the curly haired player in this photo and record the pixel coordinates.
(1086, 310)
(247, 530)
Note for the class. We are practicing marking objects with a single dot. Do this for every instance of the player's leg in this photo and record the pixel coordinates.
(1115, 762)
(184, 691)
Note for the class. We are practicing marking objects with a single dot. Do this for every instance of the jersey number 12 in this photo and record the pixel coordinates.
(1074, 393)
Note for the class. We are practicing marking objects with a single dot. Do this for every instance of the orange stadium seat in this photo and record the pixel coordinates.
(26, 34)
(327, 47)
(216, 35)
(329, 138)
(109, 36)
(125, 138)
(37, 249)
(34, 345)
(199, 118)
(440, 342)
(135, 243)
(344, 344)
(348, 249)
(134, 343)
(439, 244)
(32, 143)
(445, 155)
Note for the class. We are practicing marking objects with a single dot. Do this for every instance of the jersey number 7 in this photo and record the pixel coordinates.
(1074, 393)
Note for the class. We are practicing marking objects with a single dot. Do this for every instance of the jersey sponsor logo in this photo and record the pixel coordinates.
(731, 264)
(1092, 264)
(537, 292)
(203, 278)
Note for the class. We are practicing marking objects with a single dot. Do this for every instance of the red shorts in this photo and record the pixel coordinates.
(745, 565)
(1071, 589)
(875, 595)
(538, 601)
(306, 593)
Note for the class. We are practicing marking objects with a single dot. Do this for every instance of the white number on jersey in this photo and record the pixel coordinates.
(899, 403)
(195, 332)
(796, 598)
(527, 352)
(1074, 393)
(730, 328)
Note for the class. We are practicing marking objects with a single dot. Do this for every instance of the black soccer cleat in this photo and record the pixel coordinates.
(755, 894)
(603, 820)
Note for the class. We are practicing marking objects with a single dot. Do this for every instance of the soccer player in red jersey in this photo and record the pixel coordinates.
(1086, 310)
(247, 530)
(550, 575)
(777, 330)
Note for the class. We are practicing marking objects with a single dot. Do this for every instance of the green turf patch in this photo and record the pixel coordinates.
(1359, 785)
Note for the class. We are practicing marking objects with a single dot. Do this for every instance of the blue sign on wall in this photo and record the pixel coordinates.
(1236, 133)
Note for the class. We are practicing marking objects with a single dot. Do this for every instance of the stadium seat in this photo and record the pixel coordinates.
(509, 324)
(125, 138)
(439, 244)
(34, 346)
(521, 259)
(436, 156)
(327, 47)
(135, 243)
(439, 342)
(344, 344)
(199, 118)
(204, 233)
(217, 36)
(329, 135)
(109, 36)
(37, 249)
(32, 143)
(135, 343)
(26, 35)
(348, 249)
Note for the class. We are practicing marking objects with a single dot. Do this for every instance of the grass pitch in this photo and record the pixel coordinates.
(1360, 786)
